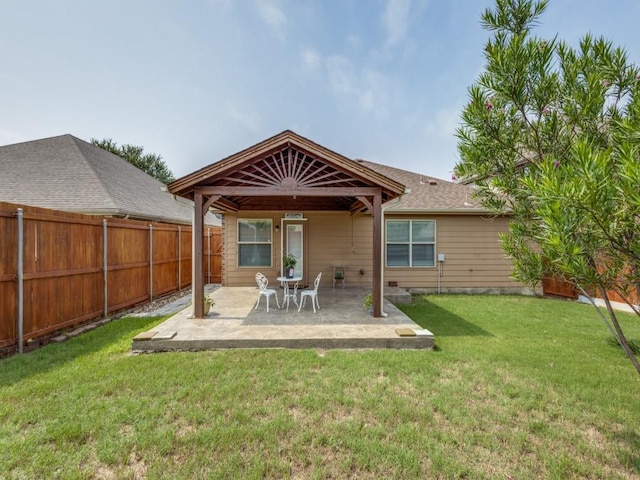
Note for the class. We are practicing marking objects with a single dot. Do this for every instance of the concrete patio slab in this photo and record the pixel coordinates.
(341, 322)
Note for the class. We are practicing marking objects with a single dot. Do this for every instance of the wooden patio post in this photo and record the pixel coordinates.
(197, 282)
(377, 255)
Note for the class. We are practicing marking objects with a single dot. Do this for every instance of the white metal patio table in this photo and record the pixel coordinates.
(286, 284)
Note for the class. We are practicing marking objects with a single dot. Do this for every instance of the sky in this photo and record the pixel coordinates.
(196, 81)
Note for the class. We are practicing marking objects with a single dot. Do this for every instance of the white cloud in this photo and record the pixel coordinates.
(310, 58)
(366, 88)
(444, 123)
(372, 93)
(248, 120)
(272, 14)
(396, 20)
(342, 77)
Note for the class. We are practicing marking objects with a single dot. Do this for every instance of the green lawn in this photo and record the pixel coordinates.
(517, 387)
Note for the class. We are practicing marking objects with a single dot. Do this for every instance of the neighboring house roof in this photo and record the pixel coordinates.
(69, 174)
(427, 194)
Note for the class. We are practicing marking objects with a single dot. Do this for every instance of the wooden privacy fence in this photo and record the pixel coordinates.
(73, 268)
(562, 288)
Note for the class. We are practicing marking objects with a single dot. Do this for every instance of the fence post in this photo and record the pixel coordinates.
(179, 256)
(20, 279)
(208, 254)
(104, 266)
(150, 262)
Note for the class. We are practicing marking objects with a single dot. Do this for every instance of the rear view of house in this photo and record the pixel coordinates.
(372, 223)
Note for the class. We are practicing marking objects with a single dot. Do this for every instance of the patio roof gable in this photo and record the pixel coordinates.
(287, 171)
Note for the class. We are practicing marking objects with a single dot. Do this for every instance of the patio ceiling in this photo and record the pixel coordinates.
(287, 172)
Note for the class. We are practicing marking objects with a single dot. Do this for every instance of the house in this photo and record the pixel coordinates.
(376, 224)
(69, 174)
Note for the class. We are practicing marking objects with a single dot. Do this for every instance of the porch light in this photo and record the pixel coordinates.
(277, 228)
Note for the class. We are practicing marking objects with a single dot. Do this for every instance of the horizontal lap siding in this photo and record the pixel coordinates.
(340, 239)
(473, 255)
(234, 276)
(329, 242)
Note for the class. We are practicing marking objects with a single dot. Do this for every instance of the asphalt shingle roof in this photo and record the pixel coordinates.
(427, 194)
(69, 174)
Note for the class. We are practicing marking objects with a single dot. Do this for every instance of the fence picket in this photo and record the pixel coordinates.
(79, 267)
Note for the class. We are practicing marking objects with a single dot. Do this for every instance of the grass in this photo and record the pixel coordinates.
(517, 388)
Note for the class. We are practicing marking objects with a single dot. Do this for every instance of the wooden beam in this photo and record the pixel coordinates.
(198, 280)
(230, 191)
(377, 255)
(366, 203)
(210, 201)
(227, 205)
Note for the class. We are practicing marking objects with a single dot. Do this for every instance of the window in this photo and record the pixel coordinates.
(411, 243)
(254, 243)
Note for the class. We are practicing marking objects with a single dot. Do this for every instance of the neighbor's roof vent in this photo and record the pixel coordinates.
(427, 180)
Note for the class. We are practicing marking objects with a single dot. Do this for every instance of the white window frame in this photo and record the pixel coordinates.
(410, 242)
(269, 242)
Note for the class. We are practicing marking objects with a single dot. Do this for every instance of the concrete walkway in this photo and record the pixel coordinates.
(341, 322)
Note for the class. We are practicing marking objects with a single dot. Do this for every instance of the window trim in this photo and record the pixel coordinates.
(410, 242)
(270, 242)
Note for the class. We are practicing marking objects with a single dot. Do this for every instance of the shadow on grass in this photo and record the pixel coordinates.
(441, 322)
(54, 355)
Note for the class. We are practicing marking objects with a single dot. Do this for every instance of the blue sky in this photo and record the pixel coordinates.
(196, 81)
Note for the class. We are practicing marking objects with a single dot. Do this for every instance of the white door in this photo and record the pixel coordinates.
(294, 245)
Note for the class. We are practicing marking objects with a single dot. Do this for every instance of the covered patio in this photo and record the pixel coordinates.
(341, 322)
(290, 194)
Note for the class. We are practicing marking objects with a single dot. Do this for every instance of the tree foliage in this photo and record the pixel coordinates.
(149, 163)
(551, 135)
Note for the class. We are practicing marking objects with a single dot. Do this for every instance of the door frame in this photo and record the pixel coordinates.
(305, 244)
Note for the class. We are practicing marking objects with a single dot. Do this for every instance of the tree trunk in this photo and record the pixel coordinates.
(622, 340)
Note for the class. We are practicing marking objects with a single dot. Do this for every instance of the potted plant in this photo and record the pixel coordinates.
(368, 301)
(208, 303)
(289, 262)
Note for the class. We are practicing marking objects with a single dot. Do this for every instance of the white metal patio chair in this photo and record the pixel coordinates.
(263, 283)
(313, 294)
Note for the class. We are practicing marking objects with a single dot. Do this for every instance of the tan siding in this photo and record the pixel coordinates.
(474, 257)
(245, 276)
(333, 238)
(340, 239)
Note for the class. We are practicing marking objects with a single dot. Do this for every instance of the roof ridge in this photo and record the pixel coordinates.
(362, 160)
(88, 162)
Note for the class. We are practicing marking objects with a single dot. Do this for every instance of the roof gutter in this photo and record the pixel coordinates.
(451, 211)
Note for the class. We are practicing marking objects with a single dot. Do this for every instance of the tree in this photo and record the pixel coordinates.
(551, 136)
(150, 163)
